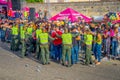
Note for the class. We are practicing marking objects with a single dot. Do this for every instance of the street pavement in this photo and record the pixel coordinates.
(12, 67)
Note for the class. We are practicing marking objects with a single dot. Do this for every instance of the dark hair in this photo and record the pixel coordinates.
(98, 30)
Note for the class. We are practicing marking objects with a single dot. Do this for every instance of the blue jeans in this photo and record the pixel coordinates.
(10, 18)
(93, 47)
(118, 50)
(114, 48)
(58, 51)
(52, 51)
(8, 35)
(97, 52)
(2, 35)
(104, 45)
(75, 55)
(79, 46)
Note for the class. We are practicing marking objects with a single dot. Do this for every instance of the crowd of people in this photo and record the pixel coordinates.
(62, 40)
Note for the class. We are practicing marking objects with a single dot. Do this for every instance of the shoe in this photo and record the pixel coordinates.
(92, 65)
(98, 63)
(43, 64)
(76, 62)
(69, 66)
(48, 63)
(66, 62)
(22, 57)
(114, 58)
(26, 54)
(63, 64)
(117, 57)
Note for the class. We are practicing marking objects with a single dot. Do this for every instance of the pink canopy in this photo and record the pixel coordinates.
(70, 14)
(3, 1)
(6, 2)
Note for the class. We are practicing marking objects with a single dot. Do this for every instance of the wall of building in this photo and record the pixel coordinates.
(80, 0)
(87, 8)
(57, 1)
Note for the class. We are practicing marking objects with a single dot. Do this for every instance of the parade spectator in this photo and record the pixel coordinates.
(57, 44)
(98, 47)
(75, 48)
(88, 47)
(114, 43)
(118, 48)
(40, 14)
(66, 39)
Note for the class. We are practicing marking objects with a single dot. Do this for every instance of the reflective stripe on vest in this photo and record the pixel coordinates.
(43, 38)
(67, 38)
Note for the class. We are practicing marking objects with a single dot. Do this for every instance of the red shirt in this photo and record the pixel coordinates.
(10, 13)
(57, 41)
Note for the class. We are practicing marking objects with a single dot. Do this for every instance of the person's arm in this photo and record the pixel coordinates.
(38, 40)
(33, 29)
(75, 35)
(59, 36)
(104, 35)
(51, 38)
(85, 37)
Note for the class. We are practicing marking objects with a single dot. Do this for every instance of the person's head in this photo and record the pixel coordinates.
(98, 30)
(88, 31)
(24, 28)
(52, 28)
(45, 10)
(102, 28)
(3, 8)
(78, 28)
(56, 28)
(106, 30)
(116, 29)
(66, 30)
(14, 24)
(73, 29)
(38, 26)
(31, 25)
(44, 30)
